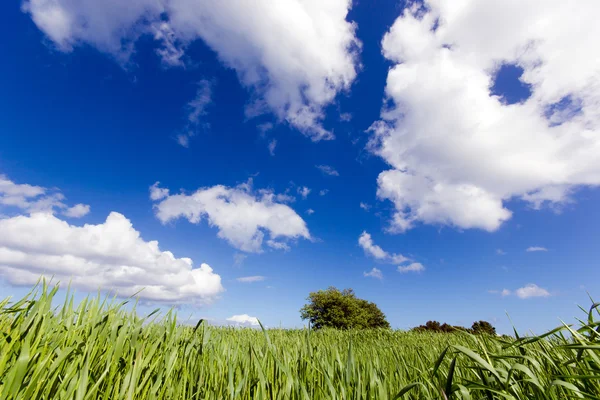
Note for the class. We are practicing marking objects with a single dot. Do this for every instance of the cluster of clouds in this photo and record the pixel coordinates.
(242, 215)
(365, 241)
(30, 199)
(459, 153)
(111, 256)
(315, 55)
(528, 291)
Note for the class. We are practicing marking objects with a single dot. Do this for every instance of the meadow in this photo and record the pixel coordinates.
(100, 349)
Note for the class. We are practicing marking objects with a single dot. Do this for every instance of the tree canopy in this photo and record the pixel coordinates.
(333, 308)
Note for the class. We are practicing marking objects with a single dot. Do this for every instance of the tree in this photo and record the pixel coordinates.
(341, 310)
(485, 327)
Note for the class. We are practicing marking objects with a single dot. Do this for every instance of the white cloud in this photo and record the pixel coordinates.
(365, 206)
(30, 199)
(327, 170)
(500, 252)
(536, 248)
(244, 319)
(196, 109)
(111, 256)
(531, 290)
(77, 211)
(314, 56)
(526, 292)
(303, 191)
(366, 242)
(251, 279)
(459, 154)
(374, 273)
(323, 192)
(241, 216)
(274, 244)
(414, 267)
(310, 211)
(272, 145)
(158, 193)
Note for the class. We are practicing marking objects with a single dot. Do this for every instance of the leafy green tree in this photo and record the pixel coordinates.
(333, 308)
(483, 327)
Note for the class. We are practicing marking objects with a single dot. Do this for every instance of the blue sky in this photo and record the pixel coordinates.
(465, 147)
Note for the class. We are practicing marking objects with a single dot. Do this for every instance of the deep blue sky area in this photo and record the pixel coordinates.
(81, 120)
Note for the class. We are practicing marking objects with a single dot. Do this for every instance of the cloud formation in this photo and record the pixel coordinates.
(244, 319)
(111, 255)
(31, 199)
(327, 170)
(413, 267)
(242, 216)
(251, 279)
(314, 57)
(525, 292)
(535, 248)
(196, 109)
(457, 152)
(366, 242)
(374, 273)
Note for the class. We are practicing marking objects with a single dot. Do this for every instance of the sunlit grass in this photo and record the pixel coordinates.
(100, 350)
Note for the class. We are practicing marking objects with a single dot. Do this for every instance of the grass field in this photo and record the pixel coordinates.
(100, 350)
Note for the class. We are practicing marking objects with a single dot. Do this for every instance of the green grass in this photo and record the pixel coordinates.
(100, 350)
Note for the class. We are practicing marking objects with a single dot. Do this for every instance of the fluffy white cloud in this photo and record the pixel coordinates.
(241, 216)
(111, 256)
(304, 191)
(158, 193)
(413, 267)
(30, 199)
(251, 279)
(531, 290)
(243, 319)
(459, 153)
(366, 242)
(374, 273)
(327, 170)
(526, 292)
(323, 192)
(77, 211)
(314, 56)
(310, 211)
(536, 248)
(365, 206)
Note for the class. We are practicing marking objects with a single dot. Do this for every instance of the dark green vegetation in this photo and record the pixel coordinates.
(337, 309)
(478, 328)
(99, 350)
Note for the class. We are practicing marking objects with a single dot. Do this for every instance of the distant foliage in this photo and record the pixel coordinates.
(483, 327)
(333, 308)
(479, 327)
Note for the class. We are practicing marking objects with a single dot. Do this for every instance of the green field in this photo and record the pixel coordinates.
(101, 350)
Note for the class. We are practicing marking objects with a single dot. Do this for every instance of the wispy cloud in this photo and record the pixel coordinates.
(374, 273)
(251, 279)
(366, 242)
(327, 170)
(365, 206)
(414, 267)
(536, 248)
